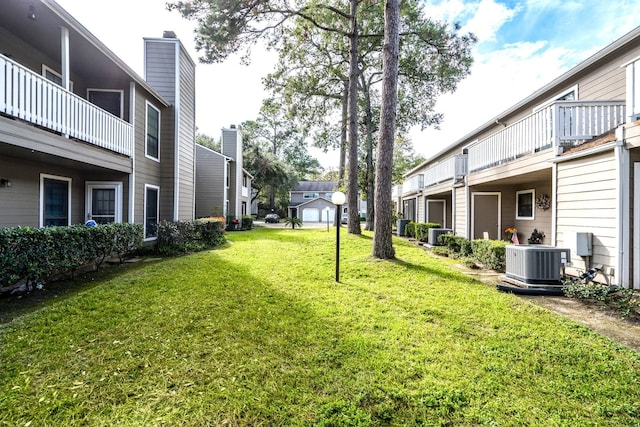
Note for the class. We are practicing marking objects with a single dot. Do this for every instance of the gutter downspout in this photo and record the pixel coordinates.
(622, 212)
(132, 175)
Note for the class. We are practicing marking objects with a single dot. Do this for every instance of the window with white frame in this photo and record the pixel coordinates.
(310, 195)
(524, 204)
(53, 76)
(570, 94)
(109, 100)
(633, 88)
(151, 211)
(55, 200)
(152, 141)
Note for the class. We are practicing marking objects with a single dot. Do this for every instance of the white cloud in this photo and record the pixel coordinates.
(488, 18)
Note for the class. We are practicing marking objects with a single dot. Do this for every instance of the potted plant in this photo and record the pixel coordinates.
(536, 237)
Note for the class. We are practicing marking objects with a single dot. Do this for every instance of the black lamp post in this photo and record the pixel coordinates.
(338, 198)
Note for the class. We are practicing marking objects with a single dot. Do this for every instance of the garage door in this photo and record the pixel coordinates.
(332, 213)
(310, 215)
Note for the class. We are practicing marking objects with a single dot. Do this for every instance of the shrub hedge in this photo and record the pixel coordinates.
(35, 254)
(422, 230)
(247, 222)
(410, 229)
(176, 237)
(491, 253)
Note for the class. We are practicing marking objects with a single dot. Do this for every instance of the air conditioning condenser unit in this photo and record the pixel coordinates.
(536, 263)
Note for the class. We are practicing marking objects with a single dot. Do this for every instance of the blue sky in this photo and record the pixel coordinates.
(522, 45)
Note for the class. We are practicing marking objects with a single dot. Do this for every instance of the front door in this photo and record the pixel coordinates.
(436, 212)
(104, 202)
(485, 214)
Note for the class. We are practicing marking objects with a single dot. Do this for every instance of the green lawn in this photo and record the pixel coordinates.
(258, 333)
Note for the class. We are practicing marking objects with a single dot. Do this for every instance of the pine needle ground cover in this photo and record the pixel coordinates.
(259, 333)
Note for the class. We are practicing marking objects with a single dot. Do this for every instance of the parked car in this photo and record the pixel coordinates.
(274, 218)
(345, 218)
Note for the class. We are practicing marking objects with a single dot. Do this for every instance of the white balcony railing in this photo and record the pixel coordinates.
(34, 99)
(563, 123)
(413, 184)
(396, 191)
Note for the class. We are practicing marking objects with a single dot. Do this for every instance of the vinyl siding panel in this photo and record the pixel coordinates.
(186, 138)
(147, 171)
(20, 203)
(587, 202)
(170, 70)
(460, 220)
(210, 183)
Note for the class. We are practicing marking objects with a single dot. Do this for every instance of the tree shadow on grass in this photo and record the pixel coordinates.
(19, 304)
(444, 272)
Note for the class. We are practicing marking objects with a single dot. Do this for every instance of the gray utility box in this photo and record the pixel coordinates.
(584, 244)
(434, 233)
(536, 263)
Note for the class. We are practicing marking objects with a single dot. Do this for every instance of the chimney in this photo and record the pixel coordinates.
(232, 127)
(168, 34)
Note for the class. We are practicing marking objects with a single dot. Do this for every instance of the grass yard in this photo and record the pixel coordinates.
(258, 333)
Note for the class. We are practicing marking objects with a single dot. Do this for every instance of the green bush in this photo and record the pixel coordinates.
(456, 244)
(491, 253)
(247, 222)
(175, 237)
(36, 254)
(422, 230)
(410, 229)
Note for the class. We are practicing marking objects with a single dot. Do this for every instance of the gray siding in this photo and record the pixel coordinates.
(210, 183)
(170, 70)
(148, 171)
(20, 203)
(232, 147)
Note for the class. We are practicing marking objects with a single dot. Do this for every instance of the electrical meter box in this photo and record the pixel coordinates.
(584, 246)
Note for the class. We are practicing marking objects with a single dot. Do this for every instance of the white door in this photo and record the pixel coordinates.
(104, 202)
(310, 215)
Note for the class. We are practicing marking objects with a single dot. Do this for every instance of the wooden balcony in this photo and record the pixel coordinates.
(29, 97)
(561, 124)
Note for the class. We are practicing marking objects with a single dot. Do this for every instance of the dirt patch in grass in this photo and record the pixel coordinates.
(600, 318)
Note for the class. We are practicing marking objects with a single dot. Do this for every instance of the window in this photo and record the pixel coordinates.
(228, 180)
(152, 146)
(108, 100)
(244, 180)
(633, 88)
(151, 211)
(570, 94)
(55, 200)
(310, 195)
(54, 76)
(524, 204)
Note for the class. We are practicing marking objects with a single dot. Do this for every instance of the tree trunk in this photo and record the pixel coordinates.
(343, 144)
(353, 225)
(343, 132)
(370, 173)
(382, 239)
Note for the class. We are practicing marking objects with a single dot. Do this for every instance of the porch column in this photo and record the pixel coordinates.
(64, 56)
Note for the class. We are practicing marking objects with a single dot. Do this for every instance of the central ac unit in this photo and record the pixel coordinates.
(536, 263)
(434, 233)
